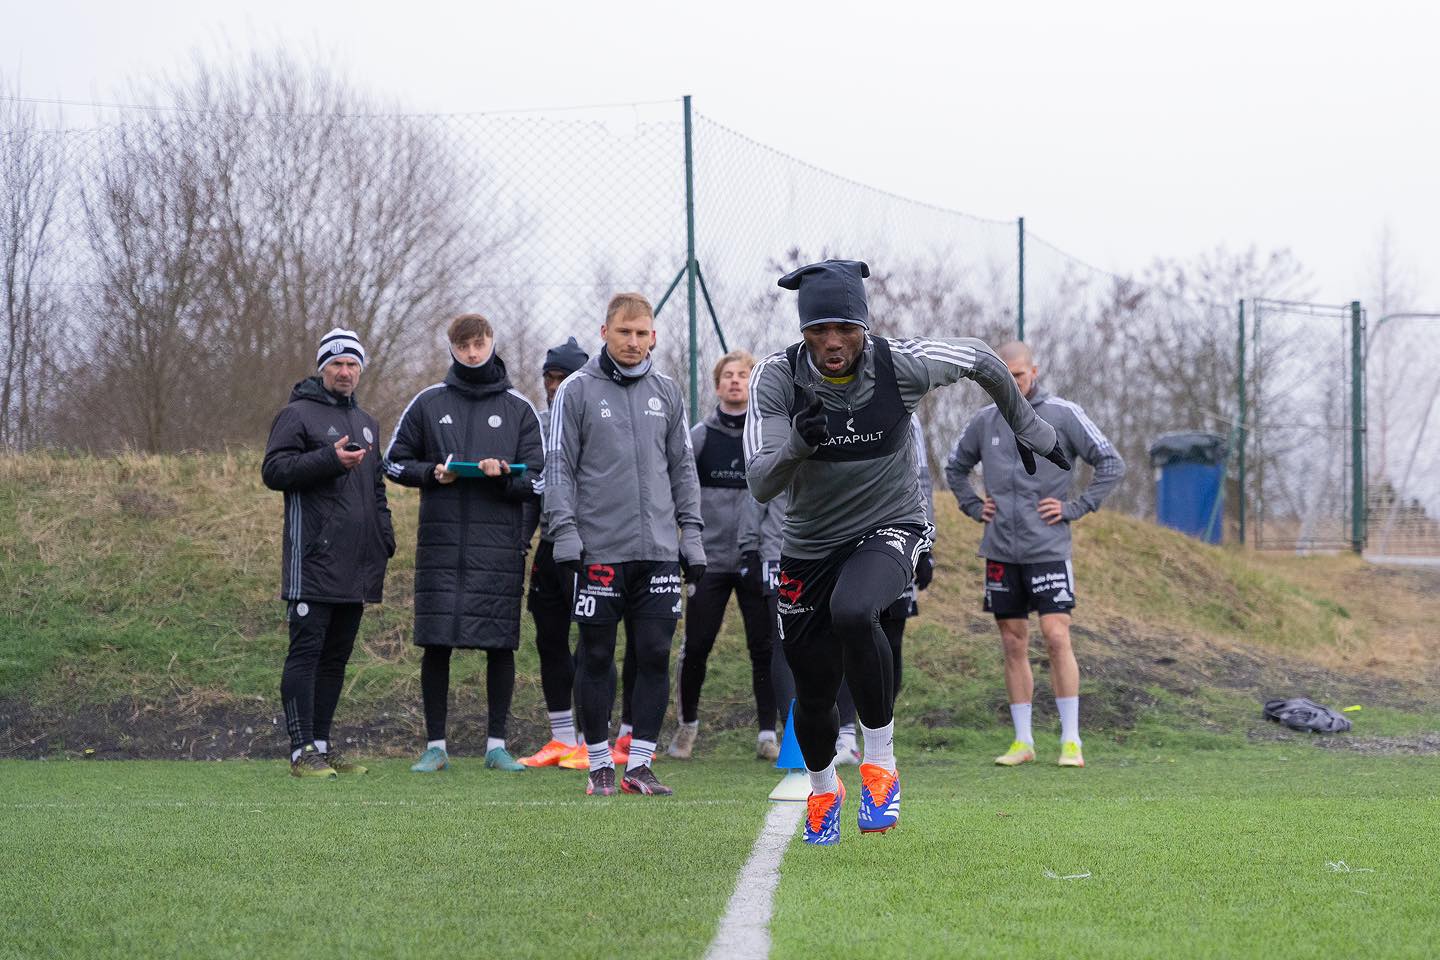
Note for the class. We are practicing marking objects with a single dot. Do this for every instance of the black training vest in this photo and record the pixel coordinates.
(721, 462)
(873, 431)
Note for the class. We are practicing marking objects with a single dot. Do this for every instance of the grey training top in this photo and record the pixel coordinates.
(1018, 534)
(619, 474)
(720, 506)
(832, 503)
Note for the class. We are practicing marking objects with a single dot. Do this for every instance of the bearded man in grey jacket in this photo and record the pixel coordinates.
(622, 503)
(829, 422)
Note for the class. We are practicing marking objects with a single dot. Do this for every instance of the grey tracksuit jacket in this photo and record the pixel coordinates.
(833, 503)
(619, 472)
(1018, 534)
(723, 493)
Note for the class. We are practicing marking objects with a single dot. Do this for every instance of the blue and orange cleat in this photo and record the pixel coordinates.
(822, 817)
(879, 799)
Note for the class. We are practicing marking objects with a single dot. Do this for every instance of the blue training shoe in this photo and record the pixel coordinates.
(879, 799)
(433, 760)
(822, 817)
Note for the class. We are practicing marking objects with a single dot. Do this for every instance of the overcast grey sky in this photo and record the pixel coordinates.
(1121, 131)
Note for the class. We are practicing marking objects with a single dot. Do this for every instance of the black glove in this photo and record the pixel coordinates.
(1057, 457)
(810, 423)
(692, 572)
(571, 566)
(1027, 457)
(752, 571)
(924, 570)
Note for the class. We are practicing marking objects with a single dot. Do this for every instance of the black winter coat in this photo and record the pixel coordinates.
(470, 555)
(338, 536)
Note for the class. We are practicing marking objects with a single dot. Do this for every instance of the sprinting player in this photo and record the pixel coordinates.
(892, 621)
(829, 420)
(550, 599)
(720, 462)
(470, 552)
(1026, 545)
(338, 541)
(621, 481)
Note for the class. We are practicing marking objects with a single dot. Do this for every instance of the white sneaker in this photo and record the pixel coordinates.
(683, 744)
(767, 749)
(845, 754)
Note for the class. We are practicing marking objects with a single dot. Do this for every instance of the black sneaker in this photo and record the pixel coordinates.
(642, 780)
(311, 763)
(602, 783)
(340, 763)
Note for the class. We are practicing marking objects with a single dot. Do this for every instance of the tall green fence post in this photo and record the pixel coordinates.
(1020, 300)
(1240, 422)
(1358, 507)
(690, 264)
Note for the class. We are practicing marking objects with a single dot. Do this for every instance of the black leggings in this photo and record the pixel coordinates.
(783, 681)
(649, 640)
(557, 663)
(703, 617)
(894, 628)
(321, 640)
(435, 689)
(854, 646)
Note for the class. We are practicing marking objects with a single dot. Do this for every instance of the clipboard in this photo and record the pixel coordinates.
(471, 468)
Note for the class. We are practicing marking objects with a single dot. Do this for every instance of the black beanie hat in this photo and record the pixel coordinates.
(830, 292)
(568, 357)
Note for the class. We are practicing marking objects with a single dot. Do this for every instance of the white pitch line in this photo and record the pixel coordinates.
(744, 932)
(349, 804)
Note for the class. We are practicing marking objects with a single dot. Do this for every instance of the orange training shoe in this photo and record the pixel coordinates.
(577, 759)
(620, 753)
(549, 755)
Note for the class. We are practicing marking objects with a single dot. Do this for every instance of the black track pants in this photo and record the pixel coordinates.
(322, 635)
(650, 641)
(703, 616)
(435, 690)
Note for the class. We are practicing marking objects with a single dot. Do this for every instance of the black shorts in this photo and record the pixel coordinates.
(641, 589)
(550, 587)
(1013, 590)
(805, 585)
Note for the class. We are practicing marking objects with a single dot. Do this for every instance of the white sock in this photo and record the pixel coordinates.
(600, 756)
(766, 735)
(880, 745)
(435, 743)
(823, 781)
(562, 726)
(1020, 716)
(494, 743)
(625, 731)
(847, 738)
(1069, 708)
(641, 752)
(323, 746)
(693, 725)
(295, 755)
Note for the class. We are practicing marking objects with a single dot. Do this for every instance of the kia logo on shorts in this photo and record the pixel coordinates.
(790, 588)
(601, 574)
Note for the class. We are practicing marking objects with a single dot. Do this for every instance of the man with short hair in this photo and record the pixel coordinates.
(623, 504)
(830, 421)
(550, 599)
(1026, 545)
(720, 463)
(338, 541)
(470, 548)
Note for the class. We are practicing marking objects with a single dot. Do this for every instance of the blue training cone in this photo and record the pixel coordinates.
(795, 785)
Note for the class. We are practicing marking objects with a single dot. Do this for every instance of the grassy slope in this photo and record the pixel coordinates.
(152, 580)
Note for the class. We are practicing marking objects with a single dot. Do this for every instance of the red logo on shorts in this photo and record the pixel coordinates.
(994, 572)
(790, 588)
(601, 574)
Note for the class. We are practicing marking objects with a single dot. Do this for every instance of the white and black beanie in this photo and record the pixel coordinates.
(339, 343)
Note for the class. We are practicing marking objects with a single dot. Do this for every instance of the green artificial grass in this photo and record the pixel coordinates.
(1233, 852)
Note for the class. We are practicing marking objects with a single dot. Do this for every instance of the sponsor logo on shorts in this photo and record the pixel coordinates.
(600, 573)
(994, 572)
(666, 583)
(790, 588)
(1063, 596)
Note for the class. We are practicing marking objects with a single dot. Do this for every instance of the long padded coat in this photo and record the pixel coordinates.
(470, 554)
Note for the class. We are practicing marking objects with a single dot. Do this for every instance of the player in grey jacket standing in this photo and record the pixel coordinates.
(1026, 545)
(620, 480)
(830, 420)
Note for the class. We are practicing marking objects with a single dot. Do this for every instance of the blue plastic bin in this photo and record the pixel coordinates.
(1190, 483)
